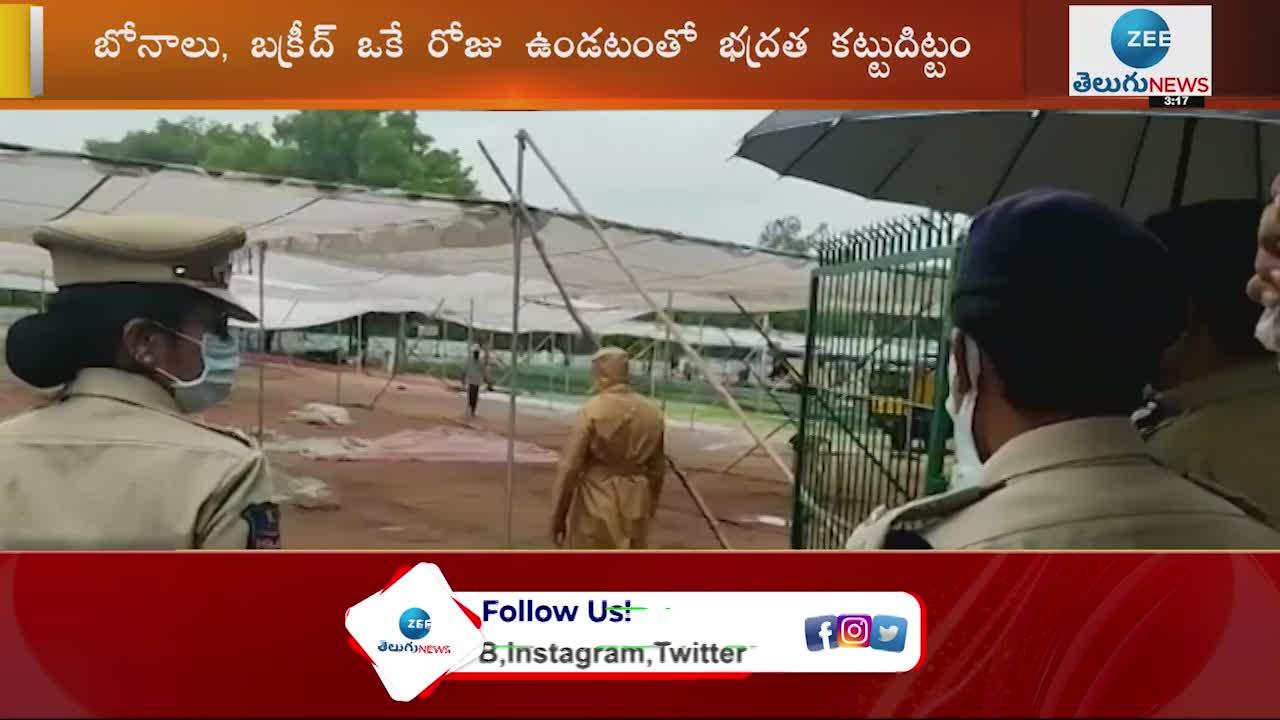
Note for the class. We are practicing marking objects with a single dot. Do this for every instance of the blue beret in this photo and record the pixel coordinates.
(1064, 264)
(1029, 242)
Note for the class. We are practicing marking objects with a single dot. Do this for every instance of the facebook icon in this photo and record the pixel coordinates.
(820, 632)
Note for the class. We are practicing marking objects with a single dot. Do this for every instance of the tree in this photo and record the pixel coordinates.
(376, 148)
(787, 234)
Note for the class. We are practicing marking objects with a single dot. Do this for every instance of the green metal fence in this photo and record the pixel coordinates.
(873, 423)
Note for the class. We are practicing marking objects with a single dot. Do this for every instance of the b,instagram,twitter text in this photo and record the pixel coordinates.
(661, 653)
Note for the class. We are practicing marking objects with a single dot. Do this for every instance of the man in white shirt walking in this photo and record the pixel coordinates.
(473, 376)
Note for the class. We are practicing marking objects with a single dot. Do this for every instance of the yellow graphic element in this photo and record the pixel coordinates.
(15, 51)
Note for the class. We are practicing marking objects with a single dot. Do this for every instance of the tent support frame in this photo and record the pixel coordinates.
(262, 333)
(653, 306)
(729, 468)
(762, 328)
(789, 419)
(516, 247)
(587, 334)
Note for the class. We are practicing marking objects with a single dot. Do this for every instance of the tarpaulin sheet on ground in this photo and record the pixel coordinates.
(438, 444)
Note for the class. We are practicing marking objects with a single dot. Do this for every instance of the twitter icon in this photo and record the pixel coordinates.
(888, 632)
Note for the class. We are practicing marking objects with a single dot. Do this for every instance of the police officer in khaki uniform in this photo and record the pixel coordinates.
(612, 467)
(137, 337)
(1063, 308)
(1217, 404)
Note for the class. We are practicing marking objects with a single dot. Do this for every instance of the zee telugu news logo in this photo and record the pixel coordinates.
(415, 623)
(1140, 51)
(882, 632)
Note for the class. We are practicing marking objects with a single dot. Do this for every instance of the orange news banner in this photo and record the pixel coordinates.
(187, 53)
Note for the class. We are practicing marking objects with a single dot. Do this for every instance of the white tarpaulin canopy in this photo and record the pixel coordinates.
(709, 336)
(339, 251)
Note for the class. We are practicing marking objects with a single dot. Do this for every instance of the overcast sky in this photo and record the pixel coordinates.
(664, 169)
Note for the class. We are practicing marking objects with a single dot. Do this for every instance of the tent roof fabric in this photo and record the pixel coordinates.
(341, 250)
(710, 336)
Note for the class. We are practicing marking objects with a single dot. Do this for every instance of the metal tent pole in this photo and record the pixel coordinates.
(653, 306)
(786, 414)
(44, 292)
(530, 221)
(262, 331)
(666, 354)
(471, 325)
(763, 359)
(342, 361)
(693, 405)
(360, 343)
(515, 333)
(551, 376)
(653, 366)
(402, 344)
(589, 336)
(729, 468)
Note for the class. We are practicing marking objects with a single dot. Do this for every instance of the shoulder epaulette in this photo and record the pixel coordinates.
(1152, 417)
(235, 433)
(871, 534)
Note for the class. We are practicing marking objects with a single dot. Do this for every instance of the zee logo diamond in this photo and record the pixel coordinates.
(389, 628)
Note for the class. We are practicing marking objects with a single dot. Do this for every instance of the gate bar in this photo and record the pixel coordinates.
(786, 413)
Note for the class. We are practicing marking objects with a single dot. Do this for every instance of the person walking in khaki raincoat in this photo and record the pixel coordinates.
(1217, 401)
(138, 338)
(612, 467)
(1062, 309)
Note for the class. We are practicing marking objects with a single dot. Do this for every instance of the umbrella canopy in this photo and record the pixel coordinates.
(960, 161)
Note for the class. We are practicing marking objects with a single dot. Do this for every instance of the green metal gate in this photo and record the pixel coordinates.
(873, 423)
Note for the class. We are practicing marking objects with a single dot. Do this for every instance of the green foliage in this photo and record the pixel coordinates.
(376, 148)
(787, 234)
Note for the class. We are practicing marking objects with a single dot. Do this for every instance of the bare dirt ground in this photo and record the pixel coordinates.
(402, 505)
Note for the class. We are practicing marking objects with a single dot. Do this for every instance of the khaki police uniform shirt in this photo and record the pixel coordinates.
(1082, 484)
(113, 465)
(1223, 428)
(612, 470)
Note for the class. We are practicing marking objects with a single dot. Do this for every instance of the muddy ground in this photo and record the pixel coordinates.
(400, 505)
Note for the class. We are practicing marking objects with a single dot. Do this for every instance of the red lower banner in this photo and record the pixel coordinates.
(1024, 634)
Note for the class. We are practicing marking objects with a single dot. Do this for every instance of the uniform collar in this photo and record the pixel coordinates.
(1062, 443)
(123, 386)
(1224, 385)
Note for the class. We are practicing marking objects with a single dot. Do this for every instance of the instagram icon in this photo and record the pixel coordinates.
(854, 630)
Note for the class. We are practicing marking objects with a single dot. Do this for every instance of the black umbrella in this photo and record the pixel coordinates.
(960, 161)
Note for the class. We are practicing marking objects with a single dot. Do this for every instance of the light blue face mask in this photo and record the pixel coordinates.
(221, 358)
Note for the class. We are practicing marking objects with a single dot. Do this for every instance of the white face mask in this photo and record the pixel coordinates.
(967, 470)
